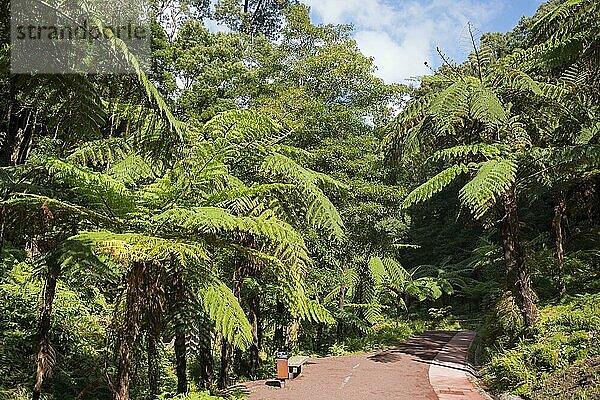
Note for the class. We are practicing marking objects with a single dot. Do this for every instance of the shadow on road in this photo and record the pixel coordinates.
(424, 347)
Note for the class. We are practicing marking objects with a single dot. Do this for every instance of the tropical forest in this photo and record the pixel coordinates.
(254, 191)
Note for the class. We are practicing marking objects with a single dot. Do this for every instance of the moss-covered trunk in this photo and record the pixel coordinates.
(559, 214)
(518, 279)
(130, 329)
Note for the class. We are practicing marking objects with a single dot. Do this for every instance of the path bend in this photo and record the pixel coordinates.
(429, 366)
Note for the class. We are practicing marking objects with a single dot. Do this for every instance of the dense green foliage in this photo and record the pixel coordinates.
(164, 233)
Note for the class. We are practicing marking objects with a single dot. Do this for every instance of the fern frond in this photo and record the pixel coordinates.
(226, 313)
(99, 190)
(100, 153)
(486, 107)
(132, 170)
(151, 91)
(22, 206)
(321, 212)
(242, 126)
(316, 312)
(434, 185)
(462, 151)
(493, 178)
(130, 248)
(450, 106)
(287, 244)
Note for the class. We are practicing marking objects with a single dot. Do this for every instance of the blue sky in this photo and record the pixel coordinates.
(402, 34)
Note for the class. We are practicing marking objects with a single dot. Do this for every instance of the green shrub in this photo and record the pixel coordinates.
(509, 371)
(191, 396)
(566, 334)
(338, 349)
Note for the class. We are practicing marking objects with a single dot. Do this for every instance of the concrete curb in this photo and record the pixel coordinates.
(450, 374)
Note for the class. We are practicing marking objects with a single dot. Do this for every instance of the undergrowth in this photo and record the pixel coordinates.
(563, 344)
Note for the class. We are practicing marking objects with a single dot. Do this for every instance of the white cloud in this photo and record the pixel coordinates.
(395, 61)
(403, 34)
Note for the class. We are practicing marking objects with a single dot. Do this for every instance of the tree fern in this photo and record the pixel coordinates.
(131, 248)
(99, 189)
(463, 151)
(226, 313)
(435, 185)
(320, 211)
(493, 179)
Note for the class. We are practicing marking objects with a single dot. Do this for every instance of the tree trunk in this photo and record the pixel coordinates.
(153, 367)
(341, 305)
(279, 326)
(2, 222)
(559, 215)
(16, 144)
(130, 329)
(239, 273)
(45, 355)
(254, 305)
(224, 370)
(206, 366)
(518, 278)
(180, 332)
(181, 362)
(154, 300)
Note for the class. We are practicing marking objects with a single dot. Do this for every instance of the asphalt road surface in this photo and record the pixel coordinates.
(398, 373)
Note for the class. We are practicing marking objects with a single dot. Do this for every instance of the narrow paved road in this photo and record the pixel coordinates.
(398, 373)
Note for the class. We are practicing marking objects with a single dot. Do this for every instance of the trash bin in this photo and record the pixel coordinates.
(282, 365)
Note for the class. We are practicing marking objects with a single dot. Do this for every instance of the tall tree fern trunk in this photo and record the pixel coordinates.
(181, 362)
(341, 305)
(206, 364)
(19, 136)
(518, 278)
(154, 300)
(129, 329)
(279, 326)
(153, 367)
(180, 332)
(224, 369)
(559, 215)
(2, 223)
(240, 271)
(45, 356)
(254, 305)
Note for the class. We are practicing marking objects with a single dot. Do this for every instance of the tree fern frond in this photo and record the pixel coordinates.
(132, 170)
(100, 190)
(486, 107)
(434, 185)
(242, 126)
(450, 106)
(320, 211)
(287, 243)
(459, 152)
(316, 312)
(377, 270)
(151, 91)
(225, 198)
(226, 313)
(22, 206)
(492, 180)
(396, 273)
(100, 153)
(130, 248)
